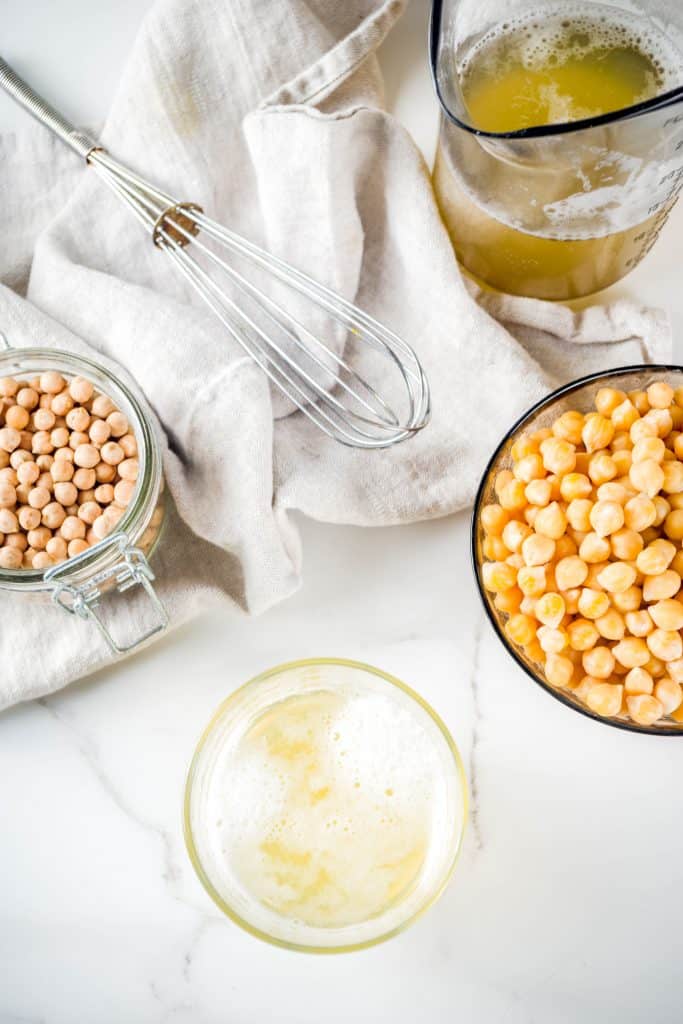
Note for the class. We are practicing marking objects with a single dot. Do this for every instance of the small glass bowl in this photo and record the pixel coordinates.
(208, 777)
(579, 394)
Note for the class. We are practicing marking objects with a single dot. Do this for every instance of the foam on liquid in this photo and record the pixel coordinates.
(565, 64)
(326, 806)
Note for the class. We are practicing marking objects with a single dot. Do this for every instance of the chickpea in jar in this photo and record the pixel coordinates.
(70, 464)
(583, 552)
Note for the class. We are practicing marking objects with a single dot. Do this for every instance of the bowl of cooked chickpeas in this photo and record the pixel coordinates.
(577, 544)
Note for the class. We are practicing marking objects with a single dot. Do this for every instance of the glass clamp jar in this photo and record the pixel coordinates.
(120, 562)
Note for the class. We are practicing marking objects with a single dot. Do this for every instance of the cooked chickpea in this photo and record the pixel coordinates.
(631, 652)
(639, 623)
(605, 699)
(493, 519)
(530, 579)
(658, 588)
(514, 532)
(593, 603)
(570, 572)
(558, 456)
(549, 522)
(550, 609)
(606, 517)
(611, 625)
(669, 694)
(597, 432)
(582, 634)
(644, 709)
(527, 469)
(558, 670)
(665, 644)
(594, 549)
(499, 576)
(673, 477)
(598, 662)
(536, 550)
(521, 629)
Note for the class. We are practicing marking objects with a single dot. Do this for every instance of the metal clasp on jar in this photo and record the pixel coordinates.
(130, 569)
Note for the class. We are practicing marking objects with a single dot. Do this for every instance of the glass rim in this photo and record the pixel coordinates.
(660, 102)
(148, 484)
(539, 406)
(234, 698)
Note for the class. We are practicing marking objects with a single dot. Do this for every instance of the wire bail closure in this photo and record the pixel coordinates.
(131, 569)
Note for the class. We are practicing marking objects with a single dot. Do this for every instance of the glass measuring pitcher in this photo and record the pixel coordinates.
(560, 152)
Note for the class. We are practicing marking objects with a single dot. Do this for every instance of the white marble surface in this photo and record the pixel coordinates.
(565, 906)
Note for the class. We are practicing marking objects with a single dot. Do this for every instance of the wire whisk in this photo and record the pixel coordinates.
(316, 379)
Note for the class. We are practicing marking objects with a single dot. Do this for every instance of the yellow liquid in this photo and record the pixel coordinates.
(336, 832)
(567, 70)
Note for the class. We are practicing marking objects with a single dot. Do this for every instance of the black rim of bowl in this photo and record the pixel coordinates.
(495, 620)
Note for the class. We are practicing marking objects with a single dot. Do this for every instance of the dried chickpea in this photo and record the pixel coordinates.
(29, 518)
(81, 390)
(78, 437)
(66, 493)
(16, 416)
(90, 510)
(53, 515)
(100, 431)
(86, 455)
(130, 445)
(59, 437)
(62, 403)
(72, 528)
(28, 398)
(102, 406)
(52, 382)
(61, 471)
(10, 558)
(56, 548)
(77, 546)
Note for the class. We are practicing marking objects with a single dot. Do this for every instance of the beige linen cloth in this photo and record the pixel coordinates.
(268, 113)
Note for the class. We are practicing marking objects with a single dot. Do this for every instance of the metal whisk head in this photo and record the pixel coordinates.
(324, 385)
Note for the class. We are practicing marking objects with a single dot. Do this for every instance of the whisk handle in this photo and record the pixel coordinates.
(26, 97)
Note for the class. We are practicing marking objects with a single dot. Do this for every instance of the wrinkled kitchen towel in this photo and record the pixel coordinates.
(268, 113)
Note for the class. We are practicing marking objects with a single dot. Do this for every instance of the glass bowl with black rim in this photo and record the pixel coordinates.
(580, 395)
